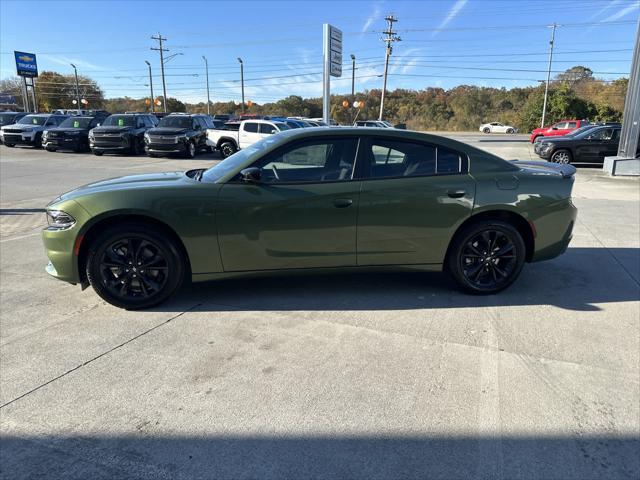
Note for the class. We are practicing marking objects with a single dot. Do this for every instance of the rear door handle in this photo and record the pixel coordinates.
(456, 193)
(342, 202)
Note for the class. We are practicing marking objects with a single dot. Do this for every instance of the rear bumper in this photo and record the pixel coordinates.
(554, 230)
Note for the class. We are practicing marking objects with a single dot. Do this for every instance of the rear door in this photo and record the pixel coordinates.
(414, 196)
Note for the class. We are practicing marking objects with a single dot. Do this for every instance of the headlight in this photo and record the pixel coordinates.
(91, 134)
(546, 146)
(44, 134)
(59, 220)
(146, 137)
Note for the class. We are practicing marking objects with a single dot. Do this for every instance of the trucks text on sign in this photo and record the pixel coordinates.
(26, 65)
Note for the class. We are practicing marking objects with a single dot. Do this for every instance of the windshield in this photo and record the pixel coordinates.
(76, 122)
(175, 122)
(119, 121)
(6, 118)
(236, 160)
(33, 120)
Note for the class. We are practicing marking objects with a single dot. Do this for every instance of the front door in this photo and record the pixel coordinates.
(414, 196)
(249, 134)
(301, 214)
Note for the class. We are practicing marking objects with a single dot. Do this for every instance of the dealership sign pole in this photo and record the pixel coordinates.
(332, 65)
(27, 67)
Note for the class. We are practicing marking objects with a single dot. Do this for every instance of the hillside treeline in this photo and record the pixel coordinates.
(576, 93)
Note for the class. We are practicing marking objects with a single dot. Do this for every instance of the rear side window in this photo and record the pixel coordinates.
(393, 159)
(251, 127)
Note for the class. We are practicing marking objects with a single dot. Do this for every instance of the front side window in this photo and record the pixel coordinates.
(251, 127)
(561, 125)
(310, 161)
(602, 134)
(572, 124)
(266, 128)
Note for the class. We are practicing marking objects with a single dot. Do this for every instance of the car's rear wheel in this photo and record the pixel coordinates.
(135, 266)
(486, 130)
(190, 150)
(227, 149)
(561, 156)
(486, 256)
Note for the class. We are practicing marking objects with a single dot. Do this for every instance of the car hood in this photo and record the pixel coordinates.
(130, 182)
(111, 129)
(167, 131)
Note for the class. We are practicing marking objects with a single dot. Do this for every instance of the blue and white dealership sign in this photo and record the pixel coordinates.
(26, 64)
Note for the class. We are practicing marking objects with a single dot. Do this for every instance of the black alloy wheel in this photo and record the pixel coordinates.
(227, 149)
(135, 267)
(487, 257)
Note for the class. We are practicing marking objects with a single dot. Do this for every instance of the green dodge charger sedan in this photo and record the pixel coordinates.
(319, 198)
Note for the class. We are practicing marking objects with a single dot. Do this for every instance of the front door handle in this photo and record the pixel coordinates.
(456, 193)
(342, 202)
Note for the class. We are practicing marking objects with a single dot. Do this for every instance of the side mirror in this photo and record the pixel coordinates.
(98, 124)
(251, 175)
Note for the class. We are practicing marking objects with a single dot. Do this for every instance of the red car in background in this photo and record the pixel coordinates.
(557, 129)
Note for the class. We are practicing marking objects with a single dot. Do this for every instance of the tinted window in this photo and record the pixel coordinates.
(310, 161)
(251, 127)
(447, 161)
(571, 125)
(119, 121)
(268, 129)
(602, 134)
(76, 122)
(390, 158)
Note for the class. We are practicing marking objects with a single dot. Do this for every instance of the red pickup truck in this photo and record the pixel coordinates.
(557, 129)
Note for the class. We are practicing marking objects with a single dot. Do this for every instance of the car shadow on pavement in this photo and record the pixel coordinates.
(579, 280)
(354, 457)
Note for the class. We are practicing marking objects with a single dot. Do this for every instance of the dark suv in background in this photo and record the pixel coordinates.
(178, 133)
(121, 133)
(9, 118)
(71, 134)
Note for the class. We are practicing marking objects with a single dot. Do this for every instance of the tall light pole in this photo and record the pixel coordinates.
(206, 67)
(546, 87)
(389, 39)
(161, 39)
(77, 88)
(242, 82)
(353, 76)
(151, 85)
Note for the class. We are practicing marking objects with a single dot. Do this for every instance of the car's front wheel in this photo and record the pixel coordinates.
(190, 150)
(561, 156)
(10, 145)
(97, 153)
(135, 266)
(510, 131)
(486, 130)
(487, 256)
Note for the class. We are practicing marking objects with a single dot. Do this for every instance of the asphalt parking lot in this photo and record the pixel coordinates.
(362, 376)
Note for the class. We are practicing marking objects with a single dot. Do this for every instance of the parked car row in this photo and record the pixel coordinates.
(587, 144)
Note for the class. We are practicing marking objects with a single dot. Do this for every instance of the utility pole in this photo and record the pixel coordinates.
(33, 95)
(161, 39)
(206, 67)
(242, 81)
(546, 87)
(25, 95)
(389, 39)
(77, 89)
(151, 85)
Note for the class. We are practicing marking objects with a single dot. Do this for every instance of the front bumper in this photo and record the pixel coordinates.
(62, 143)
(165, 149)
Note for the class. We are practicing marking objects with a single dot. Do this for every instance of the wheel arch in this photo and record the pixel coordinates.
(92, 231)
(226, 139)
(525, 229)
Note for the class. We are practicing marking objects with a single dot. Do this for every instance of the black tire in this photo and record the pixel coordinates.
(97, 153)
(135, 146)
(116, 266)
(561, 156)
(486, 257)
(190, 150)
(510, 131)
(10, 145)
(227, 149)
(49, 149)
(486, 130)
(37, 141)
